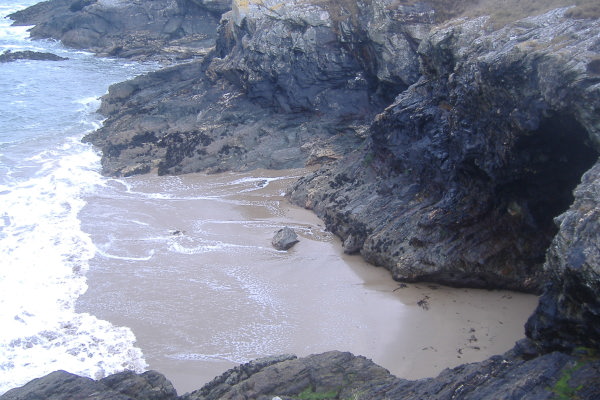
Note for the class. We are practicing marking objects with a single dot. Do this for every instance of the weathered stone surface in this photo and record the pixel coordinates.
(9, 56)
(285, 87)
(61, 385)
(284, 238)
(167, 30)
(568, 314)
(463, 174)
(337, 375)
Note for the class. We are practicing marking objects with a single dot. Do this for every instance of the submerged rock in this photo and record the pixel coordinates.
(9, 56)
(284, 239)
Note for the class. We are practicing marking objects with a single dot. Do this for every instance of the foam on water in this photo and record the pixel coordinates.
(44, 260)
(45, 174)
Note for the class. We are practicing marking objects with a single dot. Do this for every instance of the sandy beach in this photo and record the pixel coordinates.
(186, 263)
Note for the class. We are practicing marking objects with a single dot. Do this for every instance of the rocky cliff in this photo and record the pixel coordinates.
(289, 84)
(462, 176)
(462, 152)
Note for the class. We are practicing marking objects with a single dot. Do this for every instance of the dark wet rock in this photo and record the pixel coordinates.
(160, 29)
(329, 375)
(9, 56)
(287, 86)
(568, 314)
(337, 375)
(463, 174)
(284, 239)
(61, 385)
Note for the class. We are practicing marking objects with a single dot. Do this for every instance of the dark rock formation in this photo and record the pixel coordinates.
(159, 29)
(336, 375)
(289, 84)
(61, 385)
(284, 239)
(9, 56)
(463, 174)
(568, 314)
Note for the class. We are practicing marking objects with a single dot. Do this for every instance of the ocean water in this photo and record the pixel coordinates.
(45, 173)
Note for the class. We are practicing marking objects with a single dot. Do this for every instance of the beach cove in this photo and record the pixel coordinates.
(186, 262)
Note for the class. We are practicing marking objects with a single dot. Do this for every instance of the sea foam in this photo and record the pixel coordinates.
(42, 273)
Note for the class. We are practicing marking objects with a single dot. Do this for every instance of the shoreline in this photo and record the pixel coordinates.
(263, 302)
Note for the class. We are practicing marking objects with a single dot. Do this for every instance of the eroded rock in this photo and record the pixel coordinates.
(288, 85)
(464, 173)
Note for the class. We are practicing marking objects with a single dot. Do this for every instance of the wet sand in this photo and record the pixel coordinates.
(186, 262)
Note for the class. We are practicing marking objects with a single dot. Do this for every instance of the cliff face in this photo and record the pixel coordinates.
(289, 84)
(463, 174)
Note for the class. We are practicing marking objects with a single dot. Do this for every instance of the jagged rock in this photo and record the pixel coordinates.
(284, 80)
(9, 56)
(329, 375)
(61, 385)
(337, 375)
(161, 29)
(568, 314)
(284, 239)
(464, 173)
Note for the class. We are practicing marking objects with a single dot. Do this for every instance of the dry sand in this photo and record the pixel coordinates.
(186, 262)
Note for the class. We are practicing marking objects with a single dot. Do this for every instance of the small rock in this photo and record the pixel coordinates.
(284, 239)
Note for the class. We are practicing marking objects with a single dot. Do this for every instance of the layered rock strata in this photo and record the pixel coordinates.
(463, 175)
(289, 84)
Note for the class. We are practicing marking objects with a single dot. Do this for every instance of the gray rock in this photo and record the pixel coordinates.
(9, 56)
(464, 173)
(167, 30)
(61, 385)
(329, 375)
(284, 239)
(337, 375)
(287, 85)
(568, 314)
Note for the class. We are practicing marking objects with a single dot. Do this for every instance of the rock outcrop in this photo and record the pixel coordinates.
(61, 385)
(464, 173)
(289, 84)
(167, 30)
(9, 56)
(336, 375)
(568, 314)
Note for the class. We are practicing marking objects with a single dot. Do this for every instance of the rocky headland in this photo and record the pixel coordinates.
(454, 151)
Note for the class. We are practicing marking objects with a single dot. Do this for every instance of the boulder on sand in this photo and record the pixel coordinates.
(284, 239)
